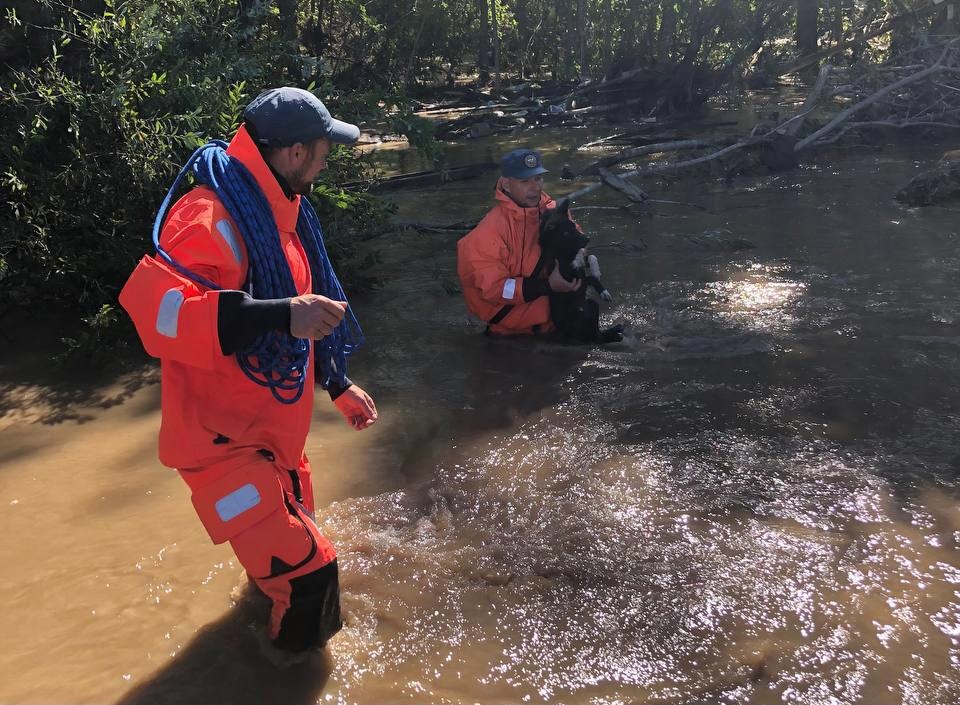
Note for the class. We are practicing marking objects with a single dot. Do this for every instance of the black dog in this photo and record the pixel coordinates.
(575, 314)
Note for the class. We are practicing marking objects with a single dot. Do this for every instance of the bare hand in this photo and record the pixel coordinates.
(559, 284)
(357, 407)
(315, 316)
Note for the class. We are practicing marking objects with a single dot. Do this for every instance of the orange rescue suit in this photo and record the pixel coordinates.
(239, 450)
(210, 407)
(494, 258)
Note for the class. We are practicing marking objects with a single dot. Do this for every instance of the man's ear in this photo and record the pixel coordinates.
(298, 151)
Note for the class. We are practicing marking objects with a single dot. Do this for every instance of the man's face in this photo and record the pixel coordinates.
(309, 164)
(526, 192)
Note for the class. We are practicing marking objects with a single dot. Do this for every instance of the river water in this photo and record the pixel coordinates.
(751, 499)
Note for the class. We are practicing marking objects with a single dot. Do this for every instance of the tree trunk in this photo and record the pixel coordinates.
(523, 31)
(570, 43)
(496, 44)
(836, 33)
(582, 39)
(647, 30)
(314, 38)
(244, 8)
(288, 22)
(607, 33)
(410, 70)
(483, 66)
(806, 34)
(668, 25)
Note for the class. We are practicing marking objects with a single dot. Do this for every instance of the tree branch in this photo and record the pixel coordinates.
(843, 116)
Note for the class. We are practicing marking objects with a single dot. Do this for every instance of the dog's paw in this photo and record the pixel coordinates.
(613, 334)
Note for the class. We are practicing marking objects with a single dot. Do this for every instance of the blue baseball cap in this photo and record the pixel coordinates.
(521, 164)
(281, 117)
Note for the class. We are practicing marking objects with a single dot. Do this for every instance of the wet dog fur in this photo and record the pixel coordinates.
(575, 314)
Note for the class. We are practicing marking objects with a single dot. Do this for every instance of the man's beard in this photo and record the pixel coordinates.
(299, 185)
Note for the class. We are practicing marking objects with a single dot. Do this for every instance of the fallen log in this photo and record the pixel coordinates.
(675, 166)
(792, 126)
(418, 179)
(447, 229)
(632, 193)
(462, 108)
(778, 140)
(603, 140)
(619, 80)
(592, 109)
(597, 166)
(476, 115)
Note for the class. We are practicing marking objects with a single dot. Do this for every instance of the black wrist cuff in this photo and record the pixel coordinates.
(241, 319)
(535, 288)
(335, 390)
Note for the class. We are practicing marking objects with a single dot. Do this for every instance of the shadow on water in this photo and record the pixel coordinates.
(225, 663)
(48, 389)
(67, 398)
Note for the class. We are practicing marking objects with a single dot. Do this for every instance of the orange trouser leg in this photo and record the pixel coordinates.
(283, 550)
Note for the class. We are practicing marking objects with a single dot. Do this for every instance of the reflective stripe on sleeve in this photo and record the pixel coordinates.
(230, 237)
(168, 317)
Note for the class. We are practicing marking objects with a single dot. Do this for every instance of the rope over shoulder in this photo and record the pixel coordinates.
(276, 360)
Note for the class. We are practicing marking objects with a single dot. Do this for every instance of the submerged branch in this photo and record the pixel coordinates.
(666, 168)
(446, 229)
(675, 145)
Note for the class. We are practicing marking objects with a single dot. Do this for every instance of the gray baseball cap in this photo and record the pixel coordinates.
(284, 116)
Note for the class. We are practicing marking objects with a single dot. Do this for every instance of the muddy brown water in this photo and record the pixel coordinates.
(752, 499)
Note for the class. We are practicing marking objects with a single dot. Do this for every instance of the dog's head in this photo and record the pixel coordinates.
(559, 234)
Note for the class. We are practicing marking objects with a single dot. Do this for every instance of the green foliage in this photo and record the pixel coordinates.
(97, 340)
(106, 103)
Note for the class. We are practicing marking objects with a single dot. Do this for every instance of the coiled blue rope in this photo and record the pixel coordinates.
(276, 360)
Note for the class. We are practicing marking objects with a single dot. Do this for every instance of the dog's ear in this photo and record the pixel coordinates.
(563, 207)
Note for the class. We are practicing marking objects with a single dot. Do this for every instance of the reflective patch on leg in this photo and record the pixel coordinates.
(168, 316)
(237, 502)
(509, 289)
(230, 237)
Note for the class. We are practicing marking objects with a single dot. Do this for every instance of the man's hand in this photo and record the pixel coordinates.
(357, 407)
(315, 316)
(558, 283)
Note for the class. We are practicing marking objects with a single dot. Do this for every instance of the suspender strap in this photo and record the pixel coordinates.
(500, 315)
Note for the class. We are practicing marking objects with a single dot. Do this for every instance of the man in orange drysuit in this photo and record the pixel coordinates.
(235, 443)
(497, 260)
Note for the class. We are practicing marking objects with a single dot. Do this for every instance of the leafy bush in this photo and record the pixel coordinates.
(106, 107)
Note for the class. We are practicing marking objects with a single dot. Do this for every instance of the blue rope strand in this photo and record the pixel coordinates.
(333, 350)
(275, 360)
